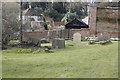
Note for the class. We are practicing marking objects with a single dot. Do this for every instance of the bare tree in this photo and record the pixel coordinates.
(10, 23)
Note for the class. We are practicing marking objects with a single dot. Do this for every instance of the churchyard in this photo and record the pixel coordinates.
(85, 61)
(59, 40)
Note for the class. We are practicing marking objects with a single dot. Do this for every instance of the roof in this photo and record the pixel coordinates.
(76, 24)
(85, 20)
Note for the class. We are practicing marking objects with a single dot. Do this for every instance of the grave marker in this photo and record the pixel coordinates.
(77, 39)
(58, 43)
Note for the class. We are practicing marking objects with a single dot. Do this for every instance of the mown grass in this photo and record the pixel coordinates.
(0, 64)
(85, 61)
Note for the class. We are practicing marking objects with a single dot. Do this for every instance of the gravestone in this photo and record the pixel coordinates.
(77, 39)
(58, 43)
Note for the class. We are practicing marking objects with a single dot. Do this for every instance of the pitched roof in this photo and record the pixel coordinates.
(86, 20)
(76, 24)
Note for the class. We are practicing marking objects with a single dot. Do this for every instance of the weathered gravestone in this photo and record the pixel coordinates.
(77, 39)
(58, 43)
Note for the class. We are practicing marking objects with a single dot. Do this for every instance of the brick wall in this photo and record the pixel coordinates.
(92, 19)
(55, 34)
(104, 20)
(110, 12)
(83, 32)
(45, 34)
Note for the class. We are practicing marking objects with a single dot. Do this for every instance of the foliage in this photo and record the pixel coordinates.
(58, 10)
(43, 5)
(69, 16)
(52, 13)
(114, 4)
(38, 10)
(80, 9)
(59, 7)
(107, 4)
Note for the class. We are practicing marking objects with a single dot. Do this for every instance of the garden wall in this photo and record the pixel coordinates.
(103, 19)
(67, 34)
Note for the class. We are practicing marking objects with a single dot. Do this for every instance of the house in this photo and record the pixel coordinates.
(34, 18)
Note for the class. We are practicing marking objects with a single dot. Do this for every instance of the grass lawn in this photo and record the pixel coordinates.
(86, 61)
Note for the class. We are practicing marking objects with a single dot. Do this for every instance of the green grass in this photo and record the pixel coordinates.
(85, 61)
(0, 64)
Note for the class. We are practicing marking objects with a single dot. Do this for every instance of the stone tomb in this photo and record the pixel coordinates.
(58, 43)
